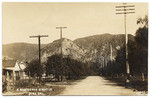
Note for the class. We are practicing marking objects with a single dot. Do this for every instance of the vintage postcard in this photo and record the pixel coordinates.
(74, 48)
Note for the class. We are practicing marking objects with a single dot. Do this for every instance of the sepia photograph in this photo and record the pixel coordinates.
(74, 48)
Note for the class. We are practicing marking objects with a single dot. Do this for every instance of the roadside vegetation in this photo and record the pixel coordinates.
(137, 58)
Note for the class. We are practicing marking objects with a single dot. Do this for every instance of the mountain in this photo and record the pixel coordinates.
(92, 48)
(69, 48)
(20, 51)
(100, 47)
(99, 40)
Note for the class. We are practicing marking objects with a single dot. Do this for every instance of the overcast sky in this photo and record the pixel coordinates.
(21, 20)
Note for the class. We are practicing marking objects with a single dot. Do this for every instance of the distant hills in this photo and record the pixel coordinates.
(20, 51)
(91, 48)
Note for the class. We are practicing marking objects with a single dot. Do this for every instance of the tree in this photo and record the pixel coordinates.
(53, 66)
(70, 68)
(138, 49)
(143, 21)
(141, 39)
(137, 53)
(34, 69)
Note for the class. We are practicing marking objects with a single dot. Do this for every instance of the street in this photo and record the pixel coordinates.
(96, 85)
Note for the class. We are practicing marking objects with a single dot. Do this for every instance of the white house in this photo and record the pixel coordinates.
(12, 69)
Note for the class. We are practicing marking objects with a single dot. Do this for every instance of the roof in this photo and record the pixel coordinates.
(9, 63)
(22, 65)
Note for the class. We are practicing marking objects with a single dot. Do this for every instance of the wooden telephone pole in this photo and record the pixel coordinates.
(39, 42)
(111, 58)
(126, 9)
(61, 48)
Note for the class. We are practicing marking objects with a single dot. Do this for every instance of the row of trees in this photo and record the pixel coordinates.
(59, 68)
(137, 53)
(70, 68)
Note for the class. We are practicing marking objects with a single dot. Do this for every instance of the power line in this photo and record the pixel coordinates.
(61, 35)
(126, 9)
(61, 48)
(39, 43)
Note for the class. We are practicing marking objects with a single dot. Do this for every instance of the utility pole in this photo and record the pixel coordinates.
(39, 42)
(103, 61)
(111, 53)
(126, 9)
(61, 48)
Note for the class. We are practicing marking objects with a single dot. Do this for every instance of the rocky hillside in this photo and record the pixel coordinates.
(69, 48)
(93, 48)
(100, 46)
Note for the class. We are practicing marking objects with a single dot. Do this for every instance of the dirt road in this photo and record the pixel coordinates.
(96, 85)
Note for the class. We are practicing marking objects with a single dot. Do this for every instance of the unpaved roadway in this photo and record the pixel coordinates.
(96, 85)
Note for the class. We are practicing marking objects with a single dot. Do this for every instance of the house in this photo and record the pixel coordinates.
(12, 69)
(22, 66)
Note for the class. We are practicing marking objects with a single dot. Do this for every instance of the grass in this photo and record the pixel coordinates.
(49, 88)
(25, 87)
(135, 82)
(44, 90)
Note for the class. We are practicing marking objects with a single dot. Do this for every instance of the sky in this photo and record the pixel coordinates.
(21, 20)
